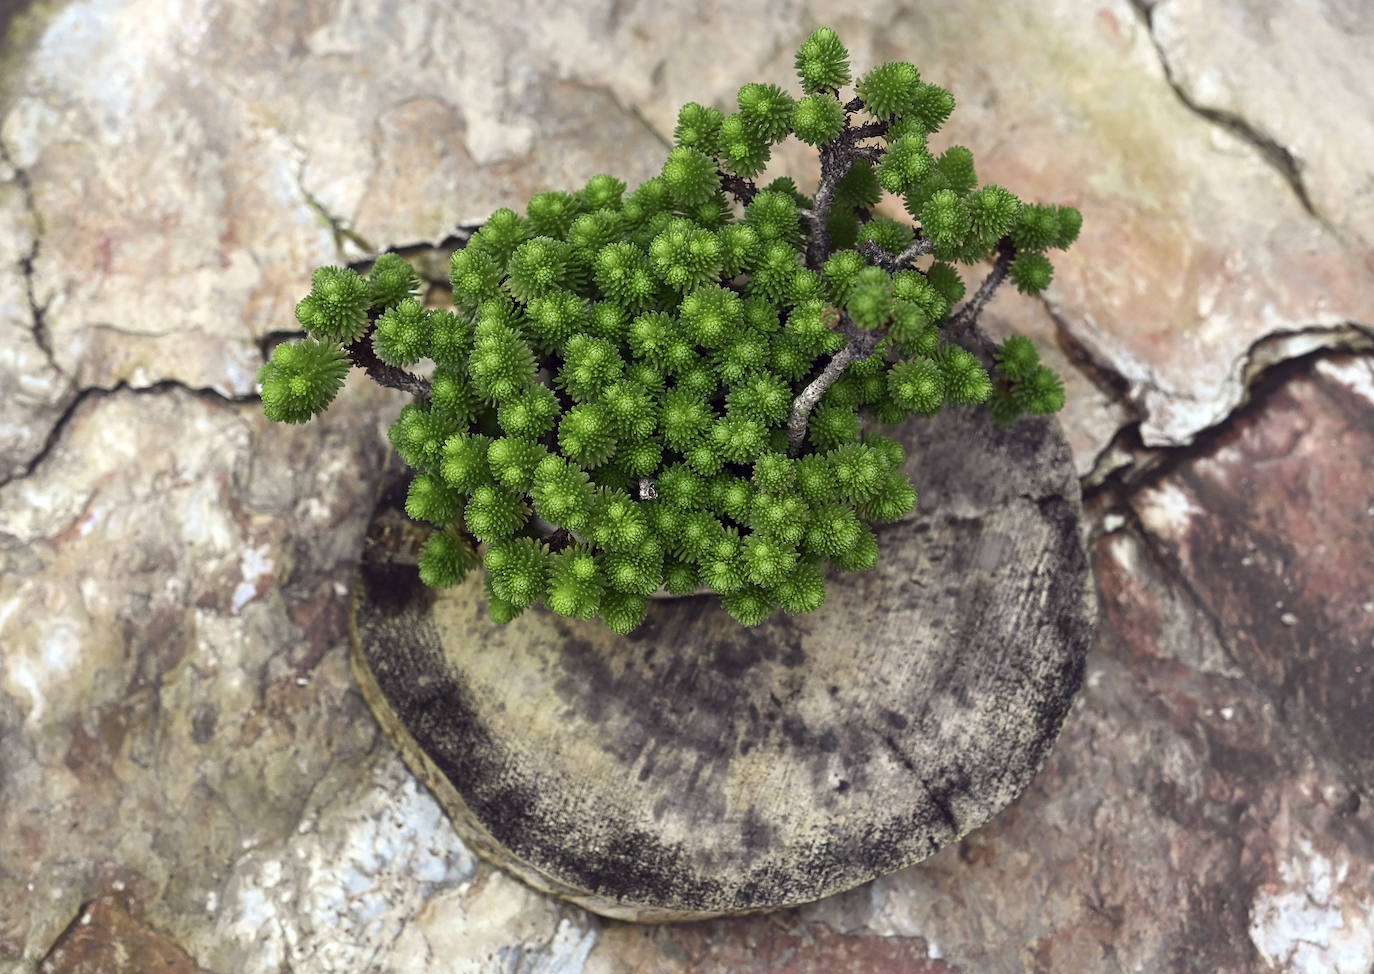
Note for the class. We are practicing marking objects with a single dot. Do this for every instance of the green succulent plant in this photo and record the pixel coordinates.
(662, 389)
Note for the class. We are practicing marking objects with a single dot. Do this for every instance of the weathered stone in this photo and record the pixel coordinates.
(1291, 80)
(33, 391)
(106, 939)
(152, 659)
(491, 924)
(1272, 532)
(342, 886)
(186, 167)
(783, 944)
(181, 220)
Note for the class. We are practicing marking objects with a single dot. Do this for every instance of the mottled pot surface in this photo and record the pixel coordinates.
(697, 767)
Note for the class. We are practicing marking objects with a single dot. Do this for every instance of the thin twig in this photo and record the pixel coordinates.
(837, 158)
(894, 262)
(963, 329)
(1006, 253)
(860, 346)
(834, 166)
(364, 356)
(868, 130)
(914, 250)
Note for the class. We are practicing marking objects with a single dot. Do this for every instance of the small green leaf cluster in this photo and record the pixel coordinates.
(1023, 384)
(611, 394)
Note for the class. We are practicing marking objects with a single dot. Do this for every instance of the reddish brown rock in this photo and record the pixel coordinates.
(1271, 530)
(106, 939)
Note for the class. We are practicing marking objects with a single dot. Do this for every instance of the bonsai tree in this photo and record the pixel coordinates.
(662, 389)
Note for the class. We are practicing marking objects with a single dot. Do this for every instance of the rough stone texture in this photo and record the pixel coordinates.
(170, 173)
(35, 389)
(107, 939)
(1293, 121)
(784, 943)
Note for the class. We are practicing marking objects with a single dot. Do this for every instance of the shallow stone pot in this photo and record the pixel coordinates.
(698, 768)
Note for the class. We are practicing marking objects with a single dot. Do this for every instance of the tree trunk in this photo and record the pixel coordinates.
(698, 768)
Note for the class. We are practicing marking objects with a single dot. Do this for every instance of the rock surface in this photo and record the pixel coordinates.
(188, 778)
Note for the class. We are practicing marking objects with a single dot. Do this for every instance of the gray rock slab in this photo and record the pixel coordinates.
(1320, 50)
(171, 567)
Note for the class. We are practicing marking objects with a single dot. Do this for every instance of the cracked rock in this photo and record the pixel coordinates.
(1193, 247)
(35, 392)
(189, 186)
(185, 758)
(1293, 75)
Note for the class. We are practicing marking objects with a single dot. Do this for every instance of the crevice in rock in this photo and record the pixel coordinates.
(267, 341)
(460, 236)
(1098, 369)
(417, 253)
(26, 263)
(1262, 368)
(157, 388)
(1276, 155)
(37, 312)
(1115, 499)
(340, 232)
(634, 112)
(1268, 352)
(1169, 566)
(1125, 455)
(1260, 379)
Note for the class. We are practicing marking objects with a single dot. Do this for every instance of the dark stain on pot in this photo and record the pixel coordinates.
(734, 657)
(707, 714)
(587, 682)
(939, 798)
(757, 835)
(898, 753)
(394, 588)
(742, 651)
